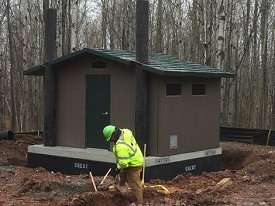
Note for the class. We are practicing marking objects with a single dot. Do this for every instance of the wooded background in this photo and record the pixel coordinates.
(231, 35)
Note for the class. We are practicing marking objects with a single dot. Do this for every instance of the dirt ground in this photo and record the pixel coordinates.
(247, 178)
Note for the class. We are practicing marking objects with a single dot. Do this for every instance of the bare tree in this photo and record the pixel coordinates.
(12, 61)
(228, 34)
(220, 35)
(273, 78)
(159, 31)
(264, 39)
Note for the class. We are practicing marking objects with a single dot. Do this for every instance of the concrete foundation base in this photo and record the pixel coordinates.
(78, 161)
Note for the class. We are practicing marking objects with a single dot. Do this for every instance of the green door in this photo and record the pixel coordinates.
(97, 110)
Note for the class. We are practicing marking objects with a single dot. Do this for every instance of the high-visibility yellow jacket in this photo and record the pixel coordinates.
(127, 151)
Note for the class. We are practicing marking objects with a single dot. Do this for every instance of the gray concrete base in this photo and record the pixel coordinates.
(76, 161)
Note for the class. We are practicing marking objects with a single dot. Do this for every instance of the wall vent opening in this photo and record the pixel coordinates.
(173, 141)
(173, 89)
(99, 65)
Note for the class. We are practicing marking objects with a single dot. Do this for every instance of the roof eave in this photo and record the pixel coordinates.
(37, 70)
(76, 54)
(189, 74)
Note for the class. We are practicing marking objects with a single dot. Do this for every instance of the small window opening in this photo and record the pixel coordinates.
(173, 89)
(198, 89)
(99, 65)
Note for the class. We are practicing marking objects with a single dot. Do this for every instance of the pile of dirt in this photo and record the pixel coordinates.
(246, 186)
(14, 152)
(247, 178)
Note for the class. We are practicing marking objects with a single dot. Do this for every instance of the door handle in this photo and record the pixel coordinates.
(105, 113)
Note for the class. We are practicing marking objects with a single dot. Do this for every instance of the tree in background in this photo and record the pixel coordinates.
(231, 35)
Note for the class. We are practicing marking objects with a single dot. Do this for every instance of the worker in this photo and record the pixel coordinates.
(129, 159)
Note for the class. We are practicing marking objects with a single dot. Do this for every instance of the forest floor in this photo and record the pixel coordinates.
(247, 178)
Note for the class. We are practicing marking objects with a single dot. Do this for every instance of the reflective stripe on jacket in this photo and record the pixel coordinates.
(127, 151)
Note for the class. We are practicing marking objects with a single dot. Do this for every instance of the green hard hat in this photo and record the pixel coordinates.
(108, 131)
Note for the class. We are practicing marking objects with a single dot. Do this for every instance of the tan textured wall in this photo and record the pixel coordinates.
(71, 98)
(194, 119)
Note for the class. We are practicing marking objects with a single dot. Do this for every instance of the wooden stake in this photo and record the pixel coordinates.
(105, 177)
(143, 170)
(93, 181)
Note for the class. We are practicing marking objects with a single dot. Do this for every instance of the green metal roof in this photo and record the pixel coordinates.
(161, 64)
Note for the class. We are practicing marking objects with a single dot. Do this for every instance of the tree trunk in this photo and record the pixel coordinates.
(209, 33)
(64, 26)
(104, 23)
(59, 29)
(111, 25)
(220, 37)
(73, 29)
(264, 38)
(159, 28)
(246, 83)
(194, 32)
(69, 31)
(229, 51)
(1, 93)
(273, 79)
(254, 68)
(12, 61)
(234, 60)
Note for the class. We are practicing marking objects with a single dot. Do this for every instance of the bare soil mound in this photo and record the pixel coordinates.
(14, 152)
